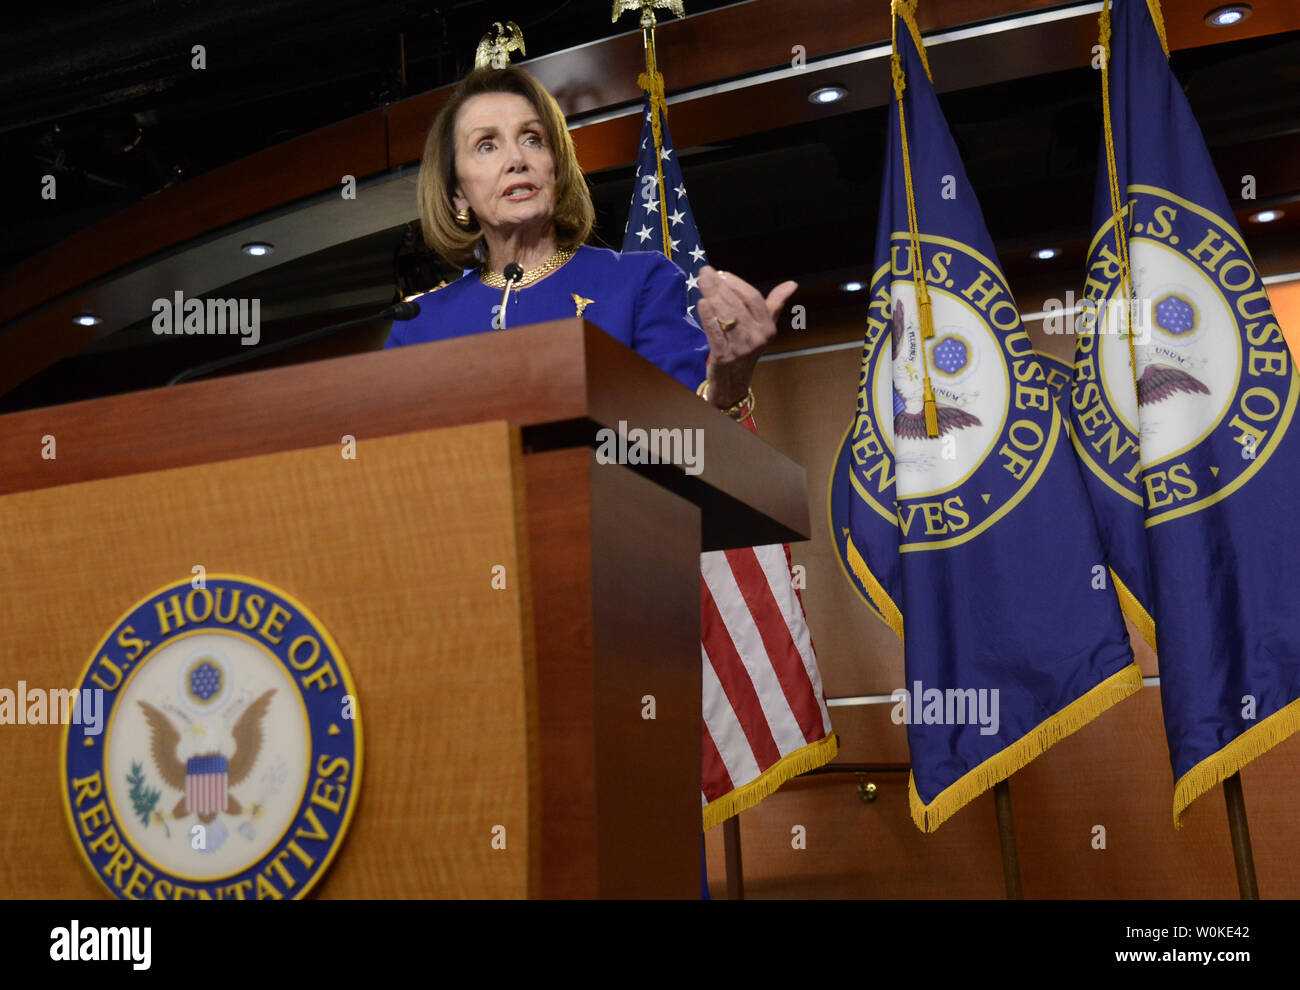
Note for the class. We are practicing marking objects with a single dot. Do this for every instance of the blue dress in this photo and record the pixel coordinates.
(638, 298)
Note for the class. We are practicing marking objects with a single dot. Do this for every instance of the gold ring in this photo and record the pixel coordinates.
(726, 325)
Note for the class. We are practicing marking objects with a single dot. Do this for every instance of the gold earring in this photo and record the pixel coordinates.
(462, 218)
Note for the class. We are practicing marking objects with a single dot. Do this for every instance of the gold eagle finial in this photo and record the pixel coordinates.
(494, 48)
(647, 8)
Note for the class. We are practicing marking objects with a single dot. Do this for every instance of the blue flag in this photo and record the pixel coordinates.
(969, 523)
(1104, 395)
(1059, 373)
(1211, 388)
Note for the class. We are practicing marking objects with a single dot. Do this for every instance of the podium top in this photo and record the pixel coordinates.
(562, 382)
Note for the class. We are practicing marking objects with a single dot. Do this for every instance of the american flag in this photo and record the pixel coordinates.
(765, 717)
(205, 784)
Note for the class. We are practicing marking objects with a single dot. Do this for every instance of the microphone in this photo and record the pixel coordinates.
(513, 273)
(398, 311)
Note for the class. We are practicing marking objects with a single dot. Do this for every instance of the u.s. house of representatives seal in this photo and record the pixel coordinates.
(231, 761)
(997, 422)
(1203, 410)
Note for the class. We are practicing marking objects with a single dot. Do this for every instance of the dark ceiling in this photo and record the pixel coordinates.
(103, 95)
(118, 114)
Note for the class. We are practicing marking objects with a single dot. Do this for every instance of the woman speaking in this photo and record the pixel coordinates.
(502, 195)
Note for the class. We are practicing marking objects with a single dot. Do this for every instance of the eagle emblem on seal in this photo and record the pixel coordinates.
(909, 419)
(205, 779)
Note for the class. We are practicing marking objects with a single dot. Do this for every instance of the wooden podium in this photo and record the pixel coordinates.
(480, 706)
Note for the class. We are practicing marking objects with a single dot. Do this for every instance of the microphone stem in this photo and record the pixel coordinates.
(505, 298)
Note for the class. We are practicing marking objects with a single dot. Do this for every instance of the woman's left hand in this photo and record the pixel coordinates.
(727, 300)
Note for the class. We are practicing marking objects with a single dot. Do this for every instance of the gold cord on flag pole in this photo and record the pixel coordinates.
(907, 11)
(1116, 201)
(653, 83)
(1158, 19)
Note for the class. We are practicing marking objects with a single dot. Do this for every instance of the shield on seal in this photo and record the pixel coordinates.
(205, 784)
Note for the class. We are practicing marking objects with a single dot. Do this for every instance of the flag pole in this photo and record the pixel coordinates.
(653, 83)
(735, 869)
(1007, 840)
(1239, 830)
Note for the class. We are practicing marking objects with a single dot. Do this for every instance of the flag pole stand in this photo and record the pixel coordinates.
(735, 869)
(1239, 830)
(1007, 840)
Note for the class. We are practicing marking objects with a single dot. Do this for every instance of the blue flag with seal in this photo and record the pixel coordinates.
(1211, 387)
(1104, 395)
(969, 523)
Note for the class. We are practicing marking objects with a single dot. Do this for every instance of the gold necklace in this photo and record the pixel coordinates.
(493, 280)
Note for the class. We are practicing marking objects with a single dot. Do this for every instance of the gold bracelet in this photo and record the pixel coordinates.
(745, 405)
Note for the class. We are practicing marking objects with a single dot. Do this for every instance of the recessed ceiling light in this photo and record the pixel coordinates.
(1265, 216)
(257, 249)
(87, 320)
(1042, 254)
(827, 94)
(1225, 16)
(852, 286)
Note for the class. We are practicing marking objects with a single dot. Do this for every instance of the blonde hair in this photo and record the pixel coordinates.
(574, 213)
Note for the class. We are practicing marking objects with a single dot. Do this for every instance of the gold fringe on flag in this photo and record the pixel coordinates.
(1132, 608)
(875, 590)
(742, 798)
(1214, 769)
(1000, 766)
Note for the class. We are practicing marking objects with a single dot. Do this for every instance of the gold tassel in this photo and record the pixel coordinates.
(927, 321)
(931, 413)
